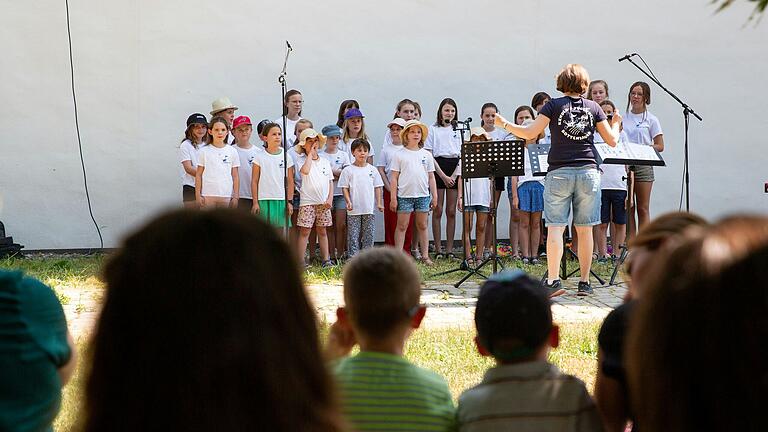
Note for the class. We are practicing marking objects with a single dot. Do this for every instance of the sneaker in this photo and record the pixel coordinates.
(584, 289)
(554, 289)
(534, 260)
(416, 254)
(526, 260)
(327, 264)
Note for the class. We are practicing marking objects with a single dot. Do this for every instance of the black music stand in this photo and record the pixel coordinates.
(489, 159)
(627, 154)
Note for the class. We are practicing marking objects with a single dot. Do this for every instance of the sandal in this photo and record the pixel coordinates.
(427, 262)
(440, 255)
(450, 256)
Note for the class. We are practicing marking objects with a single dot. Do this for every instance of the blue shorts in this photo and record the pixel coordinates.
(572, 186)
(418, 205)
(339, 203)
(613, 202)
(477, 209)
(531, 196)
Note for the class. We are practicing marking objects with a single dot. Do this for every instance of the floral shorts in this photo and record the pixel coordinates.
(314, 215)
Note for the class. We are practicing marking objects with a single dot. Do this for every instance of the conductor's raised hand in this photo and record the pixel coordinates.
(499, 120)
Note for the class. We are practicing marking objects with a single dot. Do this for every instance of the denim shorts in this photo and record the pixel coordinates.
(531, 196)
(477, 209)
(339, 203)
(572, 186)
(418, 205)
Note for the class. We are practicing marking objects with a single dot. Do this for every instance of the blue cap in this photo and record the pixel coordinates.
(352, 113)
(331, 131)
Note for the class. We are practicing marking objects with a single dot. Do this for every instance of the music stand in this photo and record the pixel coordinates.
(627, 154)
(489, 159)
(537, 154)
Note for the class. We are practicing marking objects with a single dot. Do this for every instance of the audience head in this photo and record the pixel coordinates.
(513, 318)
(206, 326)
(382, 287)
(697, 346)
(667, 228)
(573, 78)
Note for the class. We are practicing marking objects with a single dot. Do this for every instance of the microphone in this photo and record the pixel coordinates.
(289, 46)
(626, 57)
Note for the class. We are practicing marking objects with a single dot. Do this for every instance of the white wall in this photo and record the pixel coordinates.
(142, 66)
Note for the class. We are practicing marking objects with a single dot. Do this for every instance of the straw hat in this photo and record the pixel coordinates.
(478, 131)
(221, 104)
(310, 133)
(409, 124)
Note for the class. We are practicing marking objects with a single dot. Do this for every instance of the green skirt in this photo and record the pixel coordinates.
(273, 211)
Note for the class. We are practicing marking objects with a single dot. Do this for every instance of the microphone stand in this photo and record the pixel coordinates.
(281, 80)
(687, 111)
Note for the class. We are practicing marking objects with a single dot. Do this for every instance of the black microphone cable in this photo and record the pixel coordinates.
(77, 128)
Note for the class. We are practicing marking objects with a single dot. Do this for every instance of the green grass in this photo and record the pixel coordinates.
(71, 273)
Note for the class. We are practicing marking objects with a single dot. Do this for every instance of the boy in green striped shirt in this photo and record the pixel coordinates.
(381, 390)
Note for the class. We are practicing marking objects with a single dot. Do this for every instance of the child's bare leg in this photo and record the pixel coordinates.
(322, 239)
(301, 246)
(403, 220)
(467, 235)
(482, 223)
(602, 239)
(525, 233)
(421, 230)
(451, 199)
(340, 231)
(437, 216)
(535, 233)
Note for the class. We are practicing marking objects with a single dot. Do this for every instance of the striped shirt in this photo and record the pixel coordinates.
(531, 396)
(386, 392)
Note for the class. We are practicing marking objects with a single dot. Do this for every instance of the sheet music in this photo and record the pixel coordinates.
(629, 151)
(543, 165)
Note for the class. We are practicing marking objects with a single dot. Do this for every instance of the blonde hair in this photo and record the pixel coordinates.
(573, 78)
(345, 136)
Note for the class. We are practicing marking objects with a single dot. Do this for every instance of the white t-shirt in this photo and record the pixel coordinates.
(346, 146)
(414, 167)
(246, 166)
(290, 137)
(387, 140)
(611, 177)
(477, 191)
(362, 183)
(443, 141)
(386, 157)
(188, 152)
(316, 185)
(298, 162)
(217, 176)
(500, 134)
(271, 174)
(338, 161)
(641, 128)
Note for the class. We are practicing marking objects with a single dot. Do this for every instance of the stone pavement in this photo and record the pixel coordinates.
(447, 306)
(455, 307)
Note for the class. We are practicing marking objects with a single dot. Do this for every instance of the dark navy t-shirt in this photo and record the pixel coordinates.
(572, 124)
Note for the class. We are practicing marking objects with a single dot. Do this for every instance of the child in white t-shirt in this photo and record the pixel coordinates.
(217, 180)
(189, 150)
(384, 165)
(271, 200)
(293, 102)
(361, 183)
(474, 197)
(243, 129)
(337, 233)
(316, 195)
(405, 110)
(413, 178)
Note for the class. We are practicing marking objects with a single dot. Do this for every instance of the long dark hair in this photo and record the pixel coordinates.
(349, 103)
(444, 102)
(206, 326)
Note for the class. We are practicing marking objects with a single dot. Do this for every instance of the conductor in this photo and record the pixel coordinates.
(572, 178)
